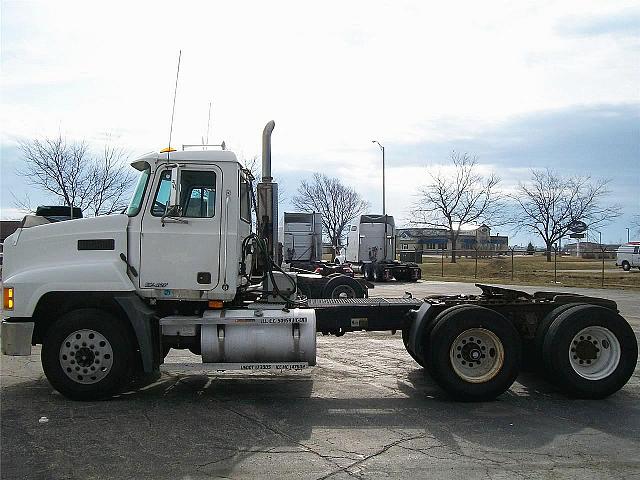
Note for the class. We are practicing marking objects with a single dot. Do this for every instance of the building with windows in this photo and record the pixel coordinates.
(432, 240)
(590, 250)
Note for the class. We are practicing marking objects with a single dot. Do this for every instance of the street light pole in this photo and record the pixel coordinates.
(628, 238)
(384, 210)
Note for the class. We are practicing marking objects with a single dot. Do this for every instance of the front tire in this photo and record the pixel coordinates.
(626, 266)
(590, 351)
(474, 353)
(88, 354)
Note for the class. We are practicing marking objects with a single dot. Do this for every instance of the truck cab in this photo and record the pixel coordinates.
(371, 245)
(188, 217)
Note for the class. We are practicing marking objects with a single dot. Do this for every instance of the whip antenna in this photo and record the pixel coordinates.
(173, 110)
(208, 123)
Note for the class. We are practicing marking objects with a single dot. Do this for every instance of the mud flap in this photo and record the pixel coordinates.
(421, 319)
(141, 318)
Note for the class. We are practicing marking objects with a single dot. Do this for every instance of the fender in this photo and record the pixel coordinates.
(30, 285)
(421, 319)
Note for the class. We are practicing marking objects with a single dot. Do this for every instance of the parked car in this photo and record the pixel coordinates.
(628, 255)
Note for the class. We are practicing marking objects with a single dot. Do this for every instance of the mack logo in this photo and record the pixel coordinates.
(156, 284)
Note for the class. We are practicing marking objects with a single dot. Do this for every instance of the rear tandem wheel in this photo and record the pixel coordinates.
(589, 351)
(474, 353)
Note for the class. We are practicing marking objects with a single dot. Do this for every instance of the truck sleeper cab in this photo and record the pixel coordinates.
(371, 246)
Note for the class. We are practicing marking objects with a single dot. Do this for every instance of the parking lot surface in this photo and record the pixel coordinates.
(366, 411)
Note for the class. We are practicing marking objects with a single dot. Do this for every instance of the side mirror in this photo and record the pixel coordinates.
(174, 196)
(173, 210)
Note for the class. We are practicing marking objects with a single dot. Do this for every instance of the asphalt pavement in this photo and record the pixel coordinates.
(366, 411)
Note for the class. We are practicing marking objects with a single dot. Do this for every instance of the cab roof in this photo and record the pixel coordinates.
(192, 156)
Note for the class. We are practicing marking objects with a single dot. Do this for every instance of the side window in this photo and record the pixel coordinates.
(635, 250)
(198, 193)
(245, 199)
(163, 194)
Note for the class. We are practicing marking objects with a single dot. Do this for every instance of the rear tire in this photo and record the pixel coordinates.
(532, 355)
(343, 287)
(626, 266)
(88, 354)
(474, 353)
(367, 272)
(376, 277)
(590, 351)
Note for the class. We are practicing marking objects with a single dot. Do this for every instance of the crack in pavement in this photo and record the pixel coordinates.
(368, 457)
(327, 458)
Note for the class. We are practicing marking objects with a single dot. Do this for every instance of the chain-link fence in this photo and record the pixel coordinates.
(588, 267)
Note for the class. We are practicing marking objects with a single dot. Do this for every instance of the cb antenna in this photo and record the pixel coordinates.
(173, 110)
(208, 123)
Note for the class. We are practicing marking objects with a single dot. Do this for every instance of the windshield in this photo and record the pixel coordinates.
(138, 194)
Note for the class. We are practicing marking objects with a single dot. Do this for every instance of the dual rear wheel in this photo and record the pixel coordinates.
(475, 353)
(588, 351)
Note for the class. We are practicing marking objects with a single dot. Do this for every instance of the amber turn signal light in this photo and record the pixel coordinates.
(7, 295)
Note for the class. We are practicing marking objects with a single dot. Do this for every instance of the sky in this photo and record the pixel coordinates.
(521, 85)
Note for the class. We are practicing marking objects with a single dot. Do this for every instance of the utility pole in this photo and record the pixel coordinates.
(384, 211)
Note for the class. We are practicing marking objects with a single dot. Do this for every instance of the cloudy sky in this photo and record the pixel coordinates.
(519, 84)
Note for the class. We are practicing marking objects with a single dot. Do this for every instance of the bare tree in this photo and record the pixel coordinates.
(70, 173)
(337, 203)
(253, 166)
(635, 223)
(550, 204)
(453, 200)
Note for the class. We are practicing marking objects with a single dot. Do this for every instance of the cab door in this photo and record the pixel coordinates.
(182, 251)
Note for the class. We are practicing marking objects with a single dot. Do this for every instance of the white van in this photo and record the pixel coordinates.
(628, 255)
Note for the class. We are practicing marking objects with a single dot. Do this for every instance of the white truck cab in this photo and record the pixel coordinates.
(179, 238)
(188, 218)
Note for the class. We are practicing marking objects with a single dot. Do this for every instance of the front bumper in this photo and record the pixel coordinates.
(16, 337)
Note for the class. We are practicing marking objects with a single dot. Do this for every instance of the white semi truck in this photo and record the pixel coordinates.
(371, 246)
(108, 296)
(302, 252)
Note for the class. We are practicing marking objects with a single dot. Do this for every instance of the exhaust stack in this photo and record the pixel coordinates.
(266, 152)
(267, 193)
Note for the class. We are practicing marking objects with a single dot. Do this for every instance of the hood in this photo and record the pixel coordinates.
(72, 241)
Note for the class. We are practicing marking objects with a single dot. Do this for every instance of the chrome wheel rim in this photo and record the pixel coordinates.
(477, 355)
(594, 353)
(86, 356)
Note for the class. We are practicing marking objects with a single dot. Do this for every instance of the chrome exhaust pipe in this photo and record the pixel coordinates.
(267, 198)
(266, 152)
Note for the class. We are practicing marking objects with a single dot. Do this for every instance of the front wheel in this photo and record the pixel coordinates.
(474, 353)
(88, 354)
(626, 266)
